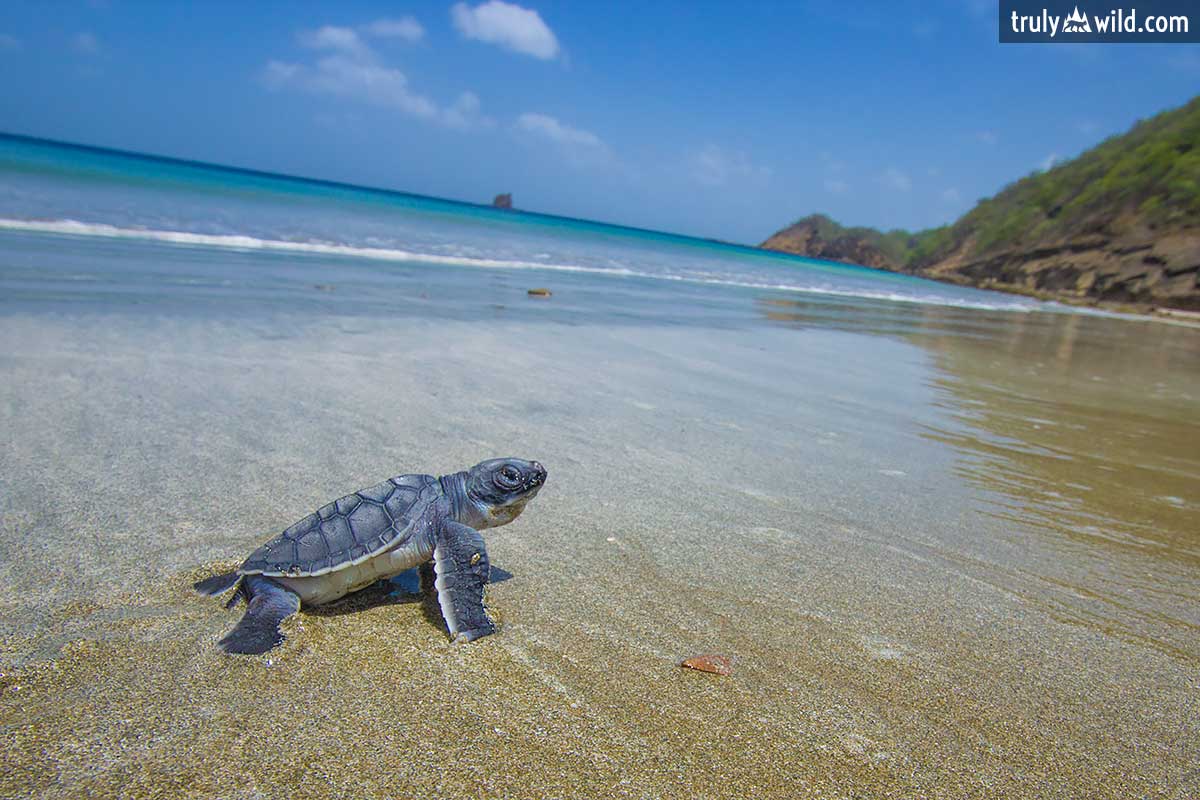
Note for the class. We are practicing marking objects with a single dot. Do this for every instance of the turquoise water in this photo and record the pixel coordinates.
(87, 225)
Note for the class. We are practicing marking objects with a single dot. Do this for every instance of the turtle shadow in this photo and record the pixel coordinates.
(374, 596)
(401, 589)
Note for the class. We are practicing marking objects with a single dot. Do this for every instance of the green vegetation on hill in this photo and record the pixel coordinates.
(1121, 222)
(1149, 176)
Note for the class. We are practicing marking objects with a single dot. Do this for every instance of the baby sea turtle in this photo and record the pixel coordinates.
(378, 533)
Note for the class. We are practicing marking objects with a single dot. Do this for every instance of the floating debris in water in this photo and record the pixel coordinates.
(540, 292)
(717, 665)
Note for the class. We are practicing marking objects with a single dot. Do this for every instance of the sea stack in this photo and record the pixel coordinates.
(503, 201)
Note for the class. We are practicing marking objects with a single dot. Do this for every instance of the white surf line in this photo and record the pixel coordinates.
(241, 242)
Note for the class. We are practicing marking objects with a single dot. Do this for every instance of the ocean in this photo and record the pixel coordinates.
(196, 234)
(949, 538)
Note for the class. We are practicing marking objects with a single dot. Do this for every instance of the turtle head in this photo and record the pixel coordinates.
(500, 487)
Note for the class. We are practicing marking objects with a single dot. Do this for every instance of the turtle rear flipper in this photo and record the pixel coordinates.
(217, 584)
(258, 631)
(460, 561)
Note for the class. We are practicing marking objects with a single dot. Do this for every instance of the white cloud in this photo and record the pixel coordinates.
(951, 195)
(357, 80)
(578, 146)
(332, 37)
(9, 43)
(352, 70)
(715, 166)
(86, 43)
(549, 127)
(895, 179)
(836, 187)
(405, 28)
(510, 26)
(1050, 160)
(278, 73)
(987, 137)
(466, 113)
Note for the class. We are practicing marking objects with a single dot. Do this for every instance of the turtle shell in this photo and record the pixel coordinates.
(347, 531)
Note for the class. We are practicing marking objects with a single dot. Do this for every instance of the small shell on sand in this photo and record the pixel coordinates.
(718, 665)
(539, 292)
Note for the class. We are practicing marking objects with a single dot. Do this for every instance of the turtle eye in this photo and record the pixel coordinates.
(508, 476)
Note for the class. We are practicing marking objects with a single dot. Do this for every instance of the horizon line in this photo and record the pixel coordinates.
(336, 184)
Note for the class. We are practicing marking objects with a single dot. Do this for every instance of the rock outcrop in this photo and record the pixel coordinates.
(503, 201)
(811, 237)
(1133, 270)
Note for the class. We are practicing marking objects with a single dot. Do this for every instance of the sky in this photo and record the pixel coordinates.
(723, 120)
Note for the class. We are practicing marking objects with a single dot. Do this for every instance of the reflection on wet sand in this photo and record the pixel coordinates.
(1079, 440)
(1074, 449)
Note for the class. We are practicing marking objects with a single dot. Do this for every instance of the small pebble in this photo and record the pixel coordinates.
(718, 665)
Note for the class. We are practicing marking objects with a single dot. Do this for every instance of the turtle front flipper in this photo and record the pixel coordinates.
(269, 604)
(461, 564)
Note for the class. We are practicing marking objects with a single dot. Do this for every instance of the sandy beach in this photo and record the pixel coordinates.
(943, 566)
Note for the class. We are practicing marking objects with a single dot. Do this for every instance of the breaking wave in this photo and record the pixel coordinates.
(245, 243)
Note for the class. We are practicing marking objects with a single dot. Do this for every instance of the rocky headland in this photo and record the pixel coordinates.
(1118, 226)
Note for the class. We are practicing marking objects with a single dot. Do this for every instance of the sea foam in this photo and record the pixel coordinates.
(246, 243)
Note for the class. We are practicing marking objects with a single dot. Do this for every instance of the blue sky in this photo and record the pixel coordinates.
(713, 119)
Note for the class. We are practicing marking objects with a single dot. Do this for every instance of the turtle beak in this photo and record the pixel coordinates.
(539, 474)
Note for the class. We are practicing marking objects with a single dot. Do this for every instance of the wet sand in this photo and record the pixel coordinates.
(950, 555)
